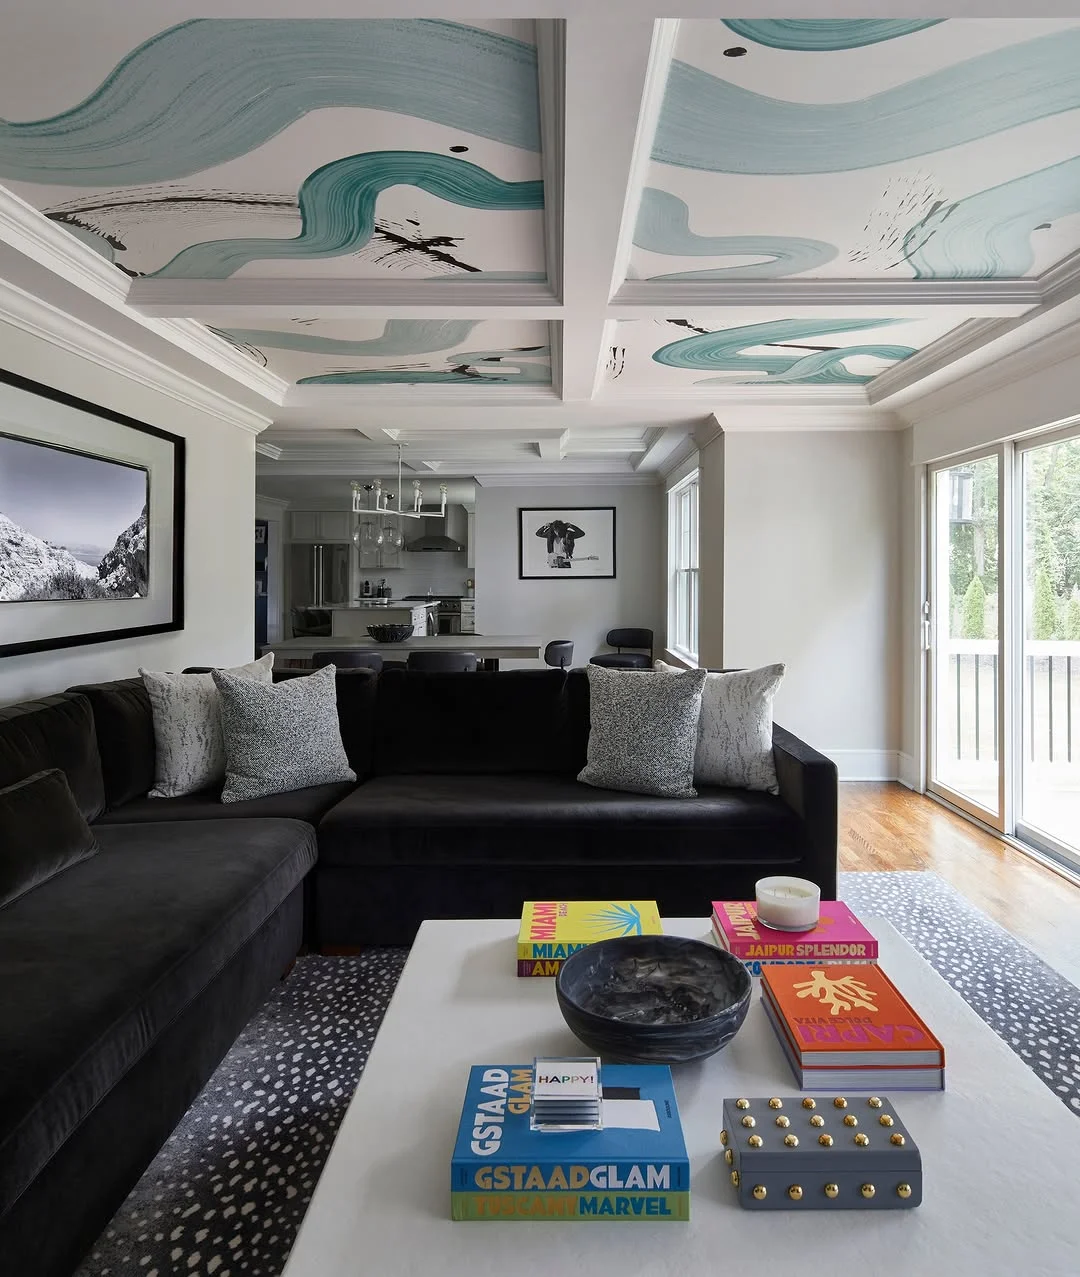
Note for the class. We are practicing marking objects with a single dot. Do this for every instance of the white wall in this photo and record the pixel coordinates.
(580, 610)
(812, 578)
(219, 586)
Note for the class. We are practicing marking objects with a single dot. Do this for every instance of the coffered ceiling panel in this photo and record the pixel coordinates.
(746, 347)
(862, 149)
(259, 148)
(412, 352)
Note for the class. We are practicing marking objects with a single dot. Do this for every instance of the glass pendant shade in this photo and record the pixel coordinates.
(368, 536)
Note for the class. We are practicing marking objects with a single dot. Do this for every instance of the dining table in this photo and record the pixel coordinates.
(489, 648)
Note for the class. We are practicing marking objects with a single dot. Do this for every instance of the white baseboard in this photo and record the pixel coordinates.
(908, 773)
(866, 764)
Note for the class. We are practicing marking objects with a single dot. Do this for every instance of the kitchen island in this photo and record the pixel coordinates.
(350, 620)
(490, 648)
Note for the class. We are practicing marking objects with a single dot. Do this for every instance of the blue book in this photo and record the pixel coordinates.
(635, 1169)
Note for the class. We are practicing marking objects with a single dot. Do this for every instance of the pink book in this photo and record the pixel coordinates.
(838, 937)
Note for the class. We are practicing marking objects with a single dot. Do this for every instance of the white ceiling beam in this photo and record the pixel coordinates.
(660, 446)
(613, 76)
(553, 448)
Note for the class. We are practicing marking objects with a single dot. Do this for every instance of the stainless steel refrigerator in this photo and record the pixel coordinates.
(318, 574)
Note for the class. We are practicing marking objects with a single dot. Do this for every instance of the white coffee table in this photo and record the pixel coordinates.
(1001, 1154)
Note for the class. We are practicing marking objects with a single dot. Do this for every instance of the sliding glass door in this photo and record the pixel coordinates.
(965, 626)
(1003, 638)
(1048, 669)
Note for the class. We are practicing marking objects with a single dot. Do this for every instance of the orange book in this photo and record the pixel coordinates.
(847, 1016)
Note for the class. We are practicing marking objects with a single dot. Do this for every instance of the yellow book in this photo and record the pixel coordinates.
(552, 930)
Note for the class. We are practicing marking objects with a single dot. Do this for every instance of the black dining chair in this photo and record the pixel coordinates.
(464, 662)
(346, 659)
(560, 653)
(620, 660)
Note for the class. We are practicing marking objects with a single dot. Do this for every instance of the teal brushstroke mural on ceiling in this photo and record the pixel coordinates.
(989, 234)
(478, 367)
(206, 91)
(825, 35)
(399, 337)
(723, 351)
(337, 209)
(663, 226)
(973, 99)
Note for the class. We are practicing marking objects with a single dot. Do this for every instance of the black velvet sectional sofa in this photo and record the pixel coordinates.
(125, 978)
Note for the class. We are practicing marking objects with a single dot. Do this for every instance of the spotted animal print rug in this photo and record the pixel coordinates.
(226, 1194)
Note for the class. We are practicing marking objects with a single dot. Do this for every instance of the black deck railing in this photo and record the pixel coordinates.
(1051, 706)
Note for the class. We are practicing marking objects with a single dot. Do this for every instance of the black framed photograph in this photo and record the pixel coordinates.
(91, 522)
(564, 543)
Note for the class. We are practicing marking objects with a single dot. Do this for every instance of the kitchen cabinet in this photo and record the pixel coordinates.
(470, 540)
(321, 525)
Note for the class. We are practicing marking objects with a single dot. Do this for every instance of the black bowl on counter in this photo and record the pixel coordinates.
(390, 633)
(653, 999)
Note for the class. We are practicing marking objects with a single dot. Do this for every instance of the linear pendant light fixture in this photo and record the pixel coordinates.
(362, 502)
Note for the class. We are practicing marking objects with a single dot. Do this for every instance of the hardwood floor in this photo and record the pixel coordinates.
(886, 827)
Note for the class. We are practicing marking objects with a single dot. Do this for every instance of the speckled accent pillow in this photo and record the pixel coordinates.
(280, 736)
(734, 744)
(643, 731)
(189, 752)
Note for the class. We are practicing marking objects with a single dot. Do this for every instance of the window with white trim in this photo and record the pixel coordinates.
(682, 630)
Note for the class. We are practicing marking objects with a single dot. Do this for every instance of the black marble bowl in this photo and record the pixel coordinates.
(390, 633)
(653, 999)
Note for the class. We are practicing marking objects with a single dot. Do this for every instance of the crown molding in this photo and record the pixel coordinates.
(1061, 281)
(270, 450)
(760, 394)
(31, 315)
(550, 476)
(339, 399)
(223, 300)
(963, 340)
(31, 233)
(275, 503)
(551, 78)
(800, 298)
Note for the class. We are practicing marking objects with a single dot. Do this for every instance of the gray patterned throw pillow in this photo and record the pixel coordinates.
(280, 736)
(643, 731)
(189, 752)
(735, 729)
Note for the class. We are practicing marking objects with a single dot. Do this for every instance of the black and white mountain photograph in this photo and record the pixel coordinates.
(72, 525)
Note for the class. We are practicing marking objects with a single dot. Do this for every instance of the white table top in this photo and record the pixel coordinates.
(522, 647)
(1001, 1154)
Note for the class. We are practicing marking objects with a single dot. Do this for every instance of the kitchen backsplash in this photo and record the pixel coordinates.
(444, 573)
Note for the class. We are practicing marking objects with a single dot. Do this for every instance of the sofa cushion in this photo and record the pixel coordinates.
(124, 726)
(99, 960)
(56, 731)
(482, 722)
(42, 833)
(309, 804)
(493, 820)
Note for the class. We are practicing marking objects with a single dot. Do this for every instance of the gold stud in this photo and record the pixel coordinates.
(885, 1119)
(742, 1104)
(792, 1141)
(867, 1191)
(874, 1102)
(903, 1190)
(783, 1121)
(862, 1140)
(748, 1121)
(760, 1192)
(775, 1103)
(825, 1141)
(832, 1190)
(851, 1120)
(755, 1141)
(735, 1178)
(817, 1120)
(795, 1192)
(839, 1102)
(729, 1156)
(808, 1103)
(897, 1139)
(723, 1138)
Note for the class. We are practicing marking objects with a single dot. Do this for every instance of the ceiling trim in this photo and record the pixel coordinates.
(976, 296)
(749, 394)
(31, 315)
(30, 232)
(953, 345)
(342, 398)
(270, 450)
(551, 79)
(545, 477)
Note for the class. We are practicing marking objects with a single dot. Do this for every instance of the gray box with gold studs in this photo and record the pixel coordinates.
(821, 1152)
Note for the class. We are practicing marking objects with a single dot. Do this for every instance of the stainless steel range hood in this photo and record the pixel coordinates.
(430, 543)
(448, 535)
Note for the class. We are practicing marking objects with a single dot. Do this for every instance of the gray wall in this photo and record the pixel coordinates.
(580, 610)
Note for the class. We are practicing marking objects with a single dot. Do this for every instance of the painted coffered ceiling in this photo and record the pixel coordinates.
(550, 242)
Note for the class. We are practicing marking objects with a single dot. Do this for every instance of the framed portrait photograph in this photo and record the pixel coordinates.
(91, 522)
(566, 542)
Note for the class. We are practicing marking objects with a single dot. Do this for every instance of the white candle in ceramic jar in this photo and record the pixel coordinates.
(788, 904)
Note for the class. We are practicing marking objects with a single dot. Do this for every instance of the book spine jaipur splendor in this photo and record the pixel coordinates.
(551, 930)
(634, 1170)
(838, 937)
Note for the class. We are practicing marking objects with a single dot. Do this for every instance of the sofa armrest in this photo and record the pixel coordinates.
(808, 785)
